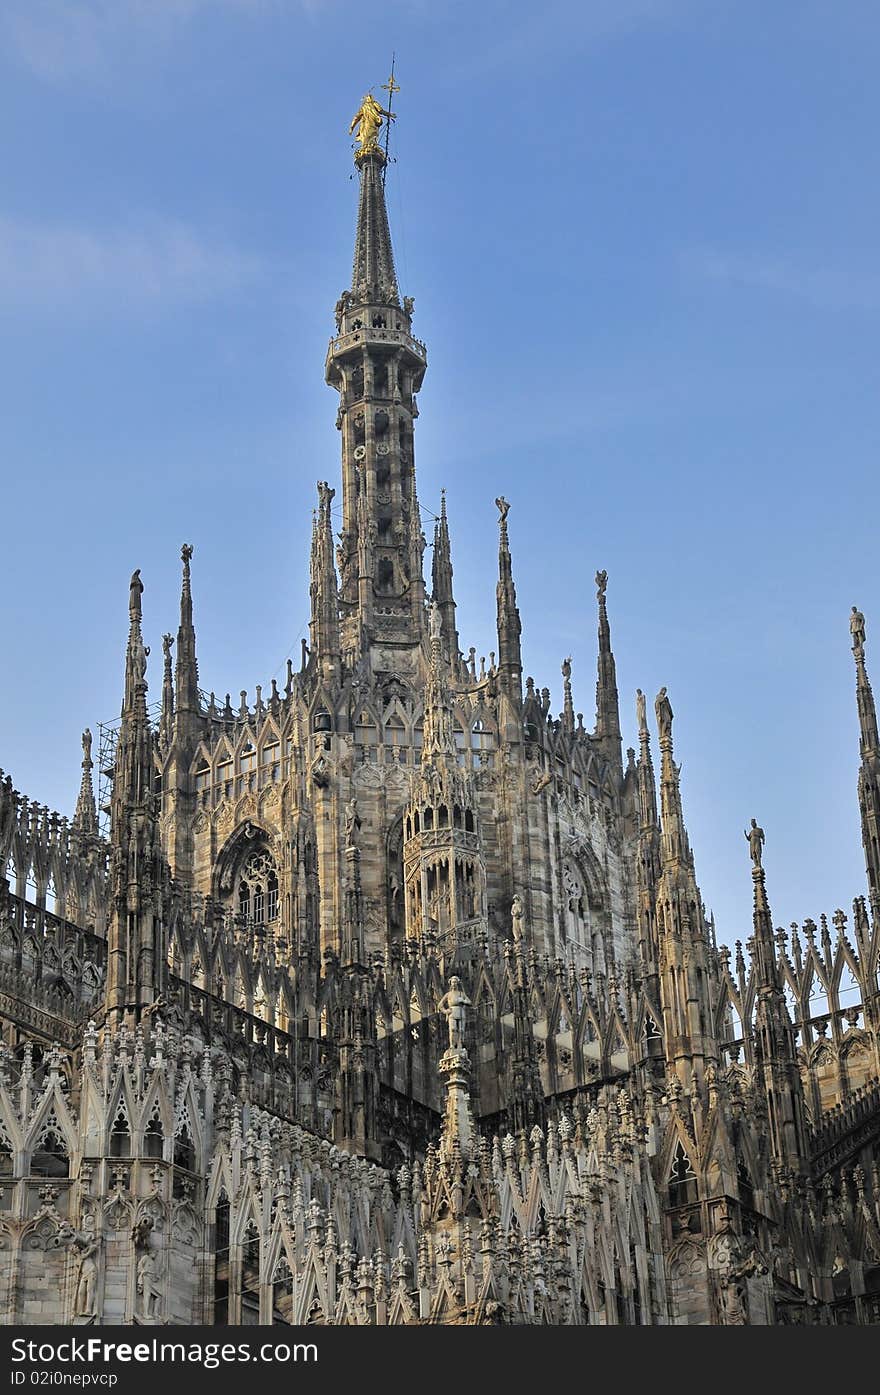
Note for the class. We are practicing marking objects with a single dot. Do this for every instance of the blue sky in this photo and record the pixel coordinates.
(642, 238)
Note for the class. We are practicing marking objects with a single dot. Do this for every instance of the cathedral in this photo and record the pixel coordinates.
(389, 996)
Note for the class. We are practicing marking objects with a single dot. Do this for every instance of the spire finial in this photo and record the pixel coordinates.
(754, 836)
(857, 630)
(135, 591)
(187, 669)
(607, 703)
(567, 702)
(641, 713)
(365, 126)
(663, 713)
(85, 819)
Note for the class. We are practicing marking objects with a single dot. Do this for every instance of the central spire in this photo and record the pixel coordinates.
(377, 367)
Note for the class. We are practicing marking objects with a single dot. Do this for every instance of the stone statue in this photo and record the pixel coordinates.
(367, 122)
(87, 1275)
(641, 712)
(435, 621)
(503, 507)
(857, 628)
(340, 308)
(135, 591)
(663, 712)
(146, 1283)
(601, 583)
(754, 836)
(87, 747)
(326, 495)
(186, 553)
(518, 916)
(167, 641)
(352, 823)
(408, 305)
(566, 668)
(452, 1005)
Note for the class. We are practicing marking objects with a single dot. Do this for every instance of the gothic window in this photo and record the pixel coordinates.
(270, 761)
(120, 1137)
(184, 1152)
(482, 744)
(247, 761)
(395, 739)
(282, 1294)
(419, 735)
(203, 776)
(682, 1179)
(50, 1156)
(224, 772)
(250, 1275)
(460, 743)
(258, 888)
(154, 1141)
(365, 734)
(221, 1262)
(6, 1168)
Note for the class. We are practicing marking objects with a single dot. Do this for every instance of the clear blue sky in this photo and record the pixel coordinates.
(642, 237)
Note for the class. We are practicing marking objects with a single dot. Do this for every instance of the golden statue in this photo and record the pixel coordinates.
(368, 120)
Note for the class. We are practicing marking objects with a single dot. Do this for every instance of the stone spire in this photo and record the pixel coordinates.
(166, 727)
(438, 744)
(324, 624)
(509, 625)
(775, 1050)
(441, 582)
(85, 819)
(187, 672)
(567, 700)
(607, 704)
(869, 770)
(373, 277)
(377, 367)
(686, 975)
(648, 865)
(135, 954)
(459, 1137)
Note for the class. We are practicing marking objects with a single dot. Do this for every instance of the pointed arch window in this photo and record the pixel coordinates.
(365, 735)
(50, 1156)
(682, 1179)
(247, 760)
(221, 1262)
(395, 739)
(184, 1151)
(270, 762)
(482, 743)
(154, 1139)
(258, 888)
(120, 1137)
(461, 743)
(203, 776)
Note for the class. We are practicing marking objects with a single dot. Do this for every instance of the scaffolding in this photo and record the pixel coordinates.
(108, 737)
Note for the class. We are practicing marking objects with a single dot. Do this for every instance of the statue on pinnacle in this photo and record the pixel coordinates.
(366, 124)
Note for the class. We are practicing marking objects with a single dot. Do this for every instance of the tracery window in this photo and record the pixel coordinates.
(270, 761)
(482, 744)
(460, 744)
(258, 888)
